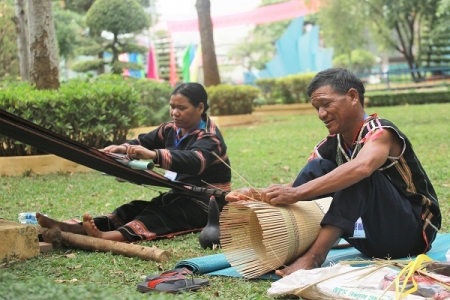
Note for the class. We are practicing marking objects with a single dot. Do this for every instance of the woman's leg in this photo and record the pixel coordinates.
(92, 230)
(47, 222)
(175, 214)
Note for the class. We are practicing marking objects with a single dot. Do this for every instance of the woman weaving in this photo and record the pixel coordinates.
(185, 147)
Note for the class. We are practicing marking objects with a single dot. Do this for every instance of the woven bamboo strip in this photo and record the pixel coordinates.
(257, 237)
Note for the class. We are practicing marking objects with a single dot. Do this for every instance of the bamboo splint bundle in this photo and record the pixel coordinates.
(257, 237)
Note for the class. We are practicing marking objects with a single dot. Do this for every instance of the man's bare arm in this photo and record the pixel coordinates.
(370, 158)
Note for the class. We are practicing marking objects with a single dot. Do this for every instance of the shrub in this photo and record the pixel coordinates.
(154, 104)
(154, 97)
(289, 89)
(101, 110)
(227, 99)
(95, 114)
(413, 97)
(267, 87)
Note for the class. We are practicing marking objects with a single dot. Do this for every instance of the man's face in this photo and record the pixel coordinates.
(335, 110)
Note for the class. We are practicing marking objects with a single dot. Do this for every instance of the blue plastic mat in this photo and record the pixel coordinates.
(217, 264)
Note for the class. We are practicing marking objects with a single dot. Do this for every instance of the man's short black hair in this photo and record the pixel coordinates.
(340, 80)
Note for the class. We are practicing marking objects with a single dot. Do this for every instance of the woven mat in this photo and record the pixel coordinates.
(217, 264)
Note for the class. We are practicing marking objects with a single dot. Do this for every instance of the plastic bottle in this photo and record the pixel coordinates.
(28, 218)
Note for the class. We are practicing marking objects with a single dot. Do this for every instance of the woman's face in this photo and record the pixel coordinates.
(183, 113)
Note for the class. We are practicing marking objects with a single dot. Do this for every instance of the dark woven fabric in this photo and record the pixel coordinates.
(404, 174)
(177, 211)
(167, 215)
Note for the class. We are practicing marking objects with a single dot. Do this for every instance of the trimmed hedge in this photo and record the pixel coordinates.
(100, 111)
(287, 90)
(154, 97)
(225, 100)
(392, 98)
(92, 113)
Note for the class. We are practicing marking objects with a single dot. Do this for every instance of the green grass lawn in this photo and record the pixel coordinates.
(271, 152)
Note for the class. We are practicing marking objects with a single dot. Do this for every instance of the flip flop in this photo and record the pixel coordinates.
(179, 272)
(168, 284)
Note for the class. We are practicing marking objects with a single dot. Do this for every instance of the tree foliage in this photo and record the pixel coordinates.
(342, 26)
(394, 25)
(9, 64)
(253, 53)
(82, 6)
(435, 44)
(69, 26)
(360, 61)
(258, 47)
(119, 17)
(79, 6)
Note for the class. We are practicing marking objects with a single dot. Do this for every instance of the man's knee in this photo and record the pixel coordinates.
(314, 169)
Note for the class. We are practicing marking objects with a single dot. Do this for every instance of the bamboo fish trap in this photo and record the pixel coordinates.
(257, 237)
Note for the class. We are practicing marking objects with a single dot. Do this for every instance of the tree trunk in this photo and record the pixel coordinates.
(20, 19)
(210, 68)
(101, 70)
(44, 62)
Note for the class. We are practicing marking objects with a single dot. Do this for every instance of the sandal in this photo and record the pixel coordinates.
(179, 272)
(168, 284)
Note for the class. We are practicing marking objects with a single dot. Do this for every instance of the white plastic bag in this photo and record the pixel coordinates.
(337, 282)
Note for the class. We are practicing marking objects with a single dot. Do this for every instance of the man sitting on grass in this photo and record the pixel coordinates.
(383, 201)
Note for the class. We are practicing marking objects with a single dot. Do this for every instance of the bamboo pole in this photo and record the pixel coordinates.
(90, 243)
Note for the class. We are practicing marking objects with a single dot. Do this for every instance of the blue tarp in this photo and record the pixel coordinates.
(217, 264)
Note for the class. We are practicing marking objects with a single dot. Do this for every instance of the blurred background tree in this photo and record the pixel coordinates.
(399, 26)
(258, 47)
(69, 27)
(210, 69)
(44, 60)
(9, 63)
(122, 19)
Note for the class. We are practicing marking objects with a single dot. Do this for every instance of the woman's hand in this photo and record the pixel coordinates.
(244, 194)
(139, 152)
(234, 196)
(116, 149)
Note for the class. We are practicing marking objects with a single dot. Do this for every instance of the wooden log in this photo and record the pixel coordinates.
(45, 247)
(90, 243)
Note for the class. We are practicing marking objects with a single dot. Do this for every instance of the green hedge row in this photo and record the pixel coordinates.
(286, 90)
(88, 112)
(402, 98)
(101, 110)
(225, 100)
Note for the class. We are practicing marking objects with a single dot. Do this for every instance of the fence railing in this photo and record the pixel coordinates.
(406, 78)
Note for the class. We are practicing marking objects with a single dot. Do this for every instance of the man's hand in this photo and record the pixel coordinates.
(274, 195)
(280, 195)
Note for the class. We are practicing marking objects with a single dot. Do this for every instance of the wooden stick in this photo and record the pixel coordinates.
(90, 243)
